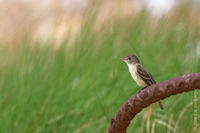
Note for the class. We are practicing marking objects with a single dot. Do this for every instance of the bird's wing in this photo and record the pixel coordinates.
(145, 75)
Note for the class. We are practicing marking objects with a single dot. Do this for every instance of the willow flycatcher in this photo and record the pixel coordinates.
(142, 77)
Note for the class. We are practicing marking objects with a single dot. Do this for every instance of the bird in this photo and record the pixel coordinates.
(142, 77)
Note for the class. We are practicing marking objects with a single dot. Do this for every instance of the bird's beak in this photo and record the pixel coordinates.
(123, 59)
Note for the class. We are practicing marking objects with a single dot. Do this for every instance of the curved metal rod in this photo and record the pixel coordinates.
(150, 95)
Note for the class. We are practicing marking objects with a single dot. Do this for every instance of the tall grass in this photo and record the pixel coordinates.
(78, 88)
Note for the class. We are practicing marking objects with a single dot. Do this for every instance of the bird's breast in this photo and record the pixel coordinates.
(135, 75)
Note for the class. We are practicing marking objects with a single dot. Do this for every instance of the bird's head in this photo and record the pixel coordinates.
(130, 59)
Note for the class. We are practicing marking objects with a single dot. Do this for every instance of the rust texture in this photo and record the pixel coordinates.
(150, 95)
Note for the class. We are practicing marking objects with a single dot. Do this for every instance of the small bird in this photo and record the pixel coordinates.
(142, 77)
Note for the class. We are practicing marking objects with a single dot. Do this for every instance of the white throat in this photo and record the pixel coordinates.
(134, 74)
(132, 69)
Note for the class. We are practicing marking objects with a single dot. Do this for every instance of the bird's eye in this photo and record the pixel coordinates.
(129, 58)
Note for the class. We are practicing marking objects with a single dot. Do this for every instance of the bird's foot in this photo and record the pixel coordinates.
(142, 89)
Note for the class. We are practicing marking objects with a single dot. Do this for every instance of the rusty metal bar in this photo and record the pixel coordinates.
(150, 95)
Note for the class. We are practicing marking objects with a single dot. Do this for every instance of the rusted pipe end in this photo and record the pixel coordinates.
(150, 95)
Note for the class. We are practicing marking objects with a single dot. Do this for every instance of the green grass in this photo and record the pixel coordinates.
(79, 88)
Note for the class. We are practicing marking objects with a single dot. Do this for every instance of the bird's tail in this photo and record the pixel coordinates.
(160, 104)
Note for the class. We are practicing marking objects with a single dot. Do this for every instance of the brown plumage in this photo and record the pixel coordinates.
(147, 78)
